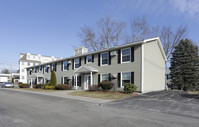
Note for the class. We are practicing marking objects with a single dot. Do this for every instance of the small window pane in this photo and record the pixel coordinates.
(89, 59)
(65, 64)
(126, 78)
(126, 55)
(77, 63)
(105, 58)
(105, 77)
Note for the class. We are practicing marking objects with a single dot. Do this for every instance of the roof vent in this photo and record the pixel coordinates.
(81, 50)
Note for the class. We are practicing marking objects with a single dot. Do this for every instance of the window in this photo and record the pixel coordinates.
(22, 70)
(65, 65)
(104, 58)
(33, 57)
(33, 64)
(53, 67)
(39, 57)
(22, 63)
(28, 56)
(168, 76)
(89, 59)
(46, 68)
(65, 80)
(40, 68)
(77, 63)
(28, 63)
(105, 77)
(30, 72)
(35, 70)
(126, 55)
(126, 78)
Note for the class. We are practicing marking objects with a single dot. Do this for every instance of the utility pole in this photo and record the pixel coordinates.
(11, 73)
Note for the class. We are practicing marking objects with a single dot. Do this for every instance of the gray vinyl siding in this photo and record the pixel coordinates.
(114, 68)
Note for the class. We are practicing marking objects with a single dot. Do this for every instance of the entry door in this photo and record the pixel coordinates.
(87, 81)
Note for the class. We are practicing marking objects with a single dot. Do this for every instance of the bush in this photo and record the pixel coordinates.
(43, 86)
(129, 88)
(38, 86)
(47, 87)
(63, 87)
(106, 85)
(93, 88)
(24, 85)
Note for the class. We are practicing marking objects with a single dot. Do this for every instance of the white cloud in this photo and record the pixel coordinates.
(190, 7)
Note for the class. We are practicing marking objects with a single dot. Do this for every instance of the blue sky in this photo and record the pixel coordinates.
(50, 27)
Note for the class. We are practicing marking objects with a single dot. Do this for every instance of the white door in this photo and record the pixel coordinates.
(87, 81)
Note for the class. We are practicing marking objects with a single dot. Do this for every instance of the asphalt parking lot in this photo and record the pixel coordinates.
(171, 102)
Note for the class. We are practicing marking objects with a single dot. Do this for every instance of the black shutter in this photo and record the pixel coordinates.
(132, 54)
(98, 79)
(80, 81)
(79, 62)
(72, 64)
(43, 69)
(72, 80)
(62, 80)
(85, 59)
(50, 67)
(119, 56)
(132, 77)
(92, 58)
(109, 57)
(98, 59)
(109, 77)
(118, 79)
(62, 68)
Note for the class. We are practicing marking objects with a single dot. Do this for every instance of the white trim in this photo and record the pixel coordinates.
(74, 63)
(67, 65)
(101, 59)
(121, 86)
(103, 74)
(121, 55)
(142, 68)
(87, 59)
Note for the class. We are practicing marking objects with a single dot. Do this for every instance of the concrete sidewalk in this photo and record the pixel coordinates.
(63, 94)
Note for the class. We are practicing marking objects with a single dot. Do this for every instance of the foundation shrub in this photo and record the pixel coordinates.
(63, 87)
(93, 88)
(106, 85)
(21, 85)
(129, 88)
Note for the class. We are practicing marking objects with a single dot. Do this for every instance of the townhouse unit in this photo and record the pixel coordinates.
(141, 63)
(27, 60)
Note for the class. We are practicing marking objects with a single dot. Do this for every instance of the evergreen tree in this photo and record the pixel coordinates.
(185, 66)
(53, 80)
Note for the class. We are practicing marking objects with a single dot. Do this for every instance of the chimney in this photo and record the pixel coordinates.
(81, 50)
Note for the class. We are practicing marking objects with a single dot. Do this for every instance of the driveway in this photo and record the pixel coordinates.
(22, 109)
(170, 102)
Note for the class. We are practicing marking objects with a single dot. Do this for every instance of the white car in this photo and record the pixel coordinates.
(7, 84)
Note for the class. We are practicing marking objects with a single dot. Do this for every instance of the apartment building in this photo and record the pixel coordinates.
(141, 63)
(27, 60)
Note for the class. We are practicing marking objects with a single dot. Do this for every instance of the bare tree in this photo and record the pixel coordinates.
(107, 34)
(5, 71)
(170, 38)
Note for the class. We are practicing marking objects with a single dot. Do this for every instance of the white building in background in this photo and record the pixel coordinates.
(27, 60)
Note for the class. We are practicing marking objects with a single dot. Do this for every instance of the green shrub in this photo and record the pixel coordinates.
(51, 87)
(106, 85)
(129, 88)
(53, 80)
(93, 87)
(23, 85)
(38, 86)
(43, 86)
(63, 87)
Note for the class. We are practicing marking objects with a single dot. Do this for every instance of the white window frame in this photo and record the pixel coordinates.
(87, 59)
(101, 59)
(45, 68)
(66, 65)
(103, 74)
(52, 67)
(22, 63)
(121, 79)
(22, 70)
(74, 62)
(122, 55)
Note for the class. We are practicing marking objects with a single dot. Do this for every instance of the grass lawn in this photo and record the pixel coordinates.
(102, 95)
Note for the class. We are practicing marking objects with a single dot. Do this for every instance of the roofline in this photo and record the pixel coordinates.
(38, 54)
(113, 48)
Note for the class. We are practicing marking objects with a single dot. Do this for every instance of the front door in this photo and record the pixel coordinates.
(87, 81)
